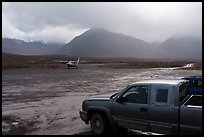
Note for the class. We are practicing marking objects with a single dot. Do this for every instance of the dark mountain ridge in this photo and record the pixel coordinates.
(100, 43)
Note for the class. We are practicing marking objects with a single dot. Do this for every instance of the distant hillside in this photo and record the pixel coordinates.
(102, 43)
(16, 46)
(180, 47)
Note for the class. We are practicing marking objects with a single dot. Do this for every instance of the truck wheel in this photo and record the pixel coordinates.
(98, 123)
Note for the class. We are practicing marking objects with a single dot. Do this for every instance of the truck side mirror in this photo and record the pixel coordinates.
(121, 99)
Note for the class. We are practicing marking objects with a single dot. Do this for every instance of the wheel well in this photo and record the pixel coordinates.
(91, 112)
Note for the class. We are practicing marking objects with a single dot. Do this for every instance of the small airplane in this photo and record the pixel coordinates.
(72, 64)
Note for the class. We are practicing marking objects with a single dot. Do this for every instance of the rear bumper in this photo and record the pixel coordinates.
(83, 116)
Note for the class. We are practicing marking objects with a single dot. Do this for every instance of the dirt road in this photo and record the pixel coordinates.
(47, 101)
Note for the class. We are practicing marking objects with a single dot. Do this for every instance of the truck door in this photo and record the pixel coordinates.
(191, 116)
(132, 111)
(162, 109)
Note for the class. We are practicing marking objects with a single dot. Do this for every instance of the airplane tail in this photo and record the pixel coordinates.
(78, 61)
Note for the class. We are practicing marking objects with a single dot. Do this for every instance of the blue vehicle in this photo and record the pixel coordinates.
(195, 85)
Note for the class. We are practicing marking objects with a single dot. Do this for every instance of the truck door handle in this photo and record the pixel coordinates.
(143, 109)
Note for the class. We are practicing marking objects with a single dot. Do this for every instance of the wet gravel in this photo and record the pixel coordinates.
(47, 101)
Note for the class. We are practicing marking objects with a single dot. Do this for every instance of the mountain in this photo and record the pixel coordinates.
(99, 42)
(16, 46)
(180, 47)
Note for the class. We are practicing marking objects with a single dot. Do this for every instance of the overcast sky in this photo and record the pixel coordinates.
(61, 22)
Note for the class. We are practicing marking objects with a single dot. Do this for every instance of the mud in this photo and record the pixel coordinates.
(47, 101)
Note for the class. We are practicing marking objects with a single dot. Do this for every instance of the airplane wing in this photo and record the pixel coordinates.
(62, 61)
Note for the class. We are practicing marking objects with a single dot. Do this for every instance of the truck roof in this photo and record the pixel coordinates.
(161, 81)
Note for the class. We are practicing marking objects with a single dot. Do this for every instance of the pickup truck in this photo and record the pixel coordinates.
(148, 106)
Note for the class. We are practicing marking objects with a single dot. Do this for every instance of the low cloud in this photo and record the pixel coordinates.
(61, 22)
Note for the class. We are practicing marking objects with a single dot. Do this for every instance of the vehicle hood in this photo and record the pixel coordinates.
(101, 97)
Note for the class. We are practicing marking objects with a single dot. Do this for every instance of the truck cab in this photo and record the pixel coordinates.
(149, 106)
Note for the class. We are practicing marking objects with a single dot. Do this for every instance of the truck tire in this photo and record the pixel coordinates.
(98, 123)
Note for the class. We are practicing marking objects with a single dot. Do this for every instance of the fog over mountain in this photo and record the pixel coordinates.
(16, 46)
(102, 43)
(181, 47)
(62, 21)
(98, 42)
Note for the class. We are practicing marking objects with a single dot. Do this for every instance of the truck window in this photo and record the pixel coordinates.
(199, 83)
(182, 91)
(161, 95)
(194, 101)
(136, 94)
(196, 83)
